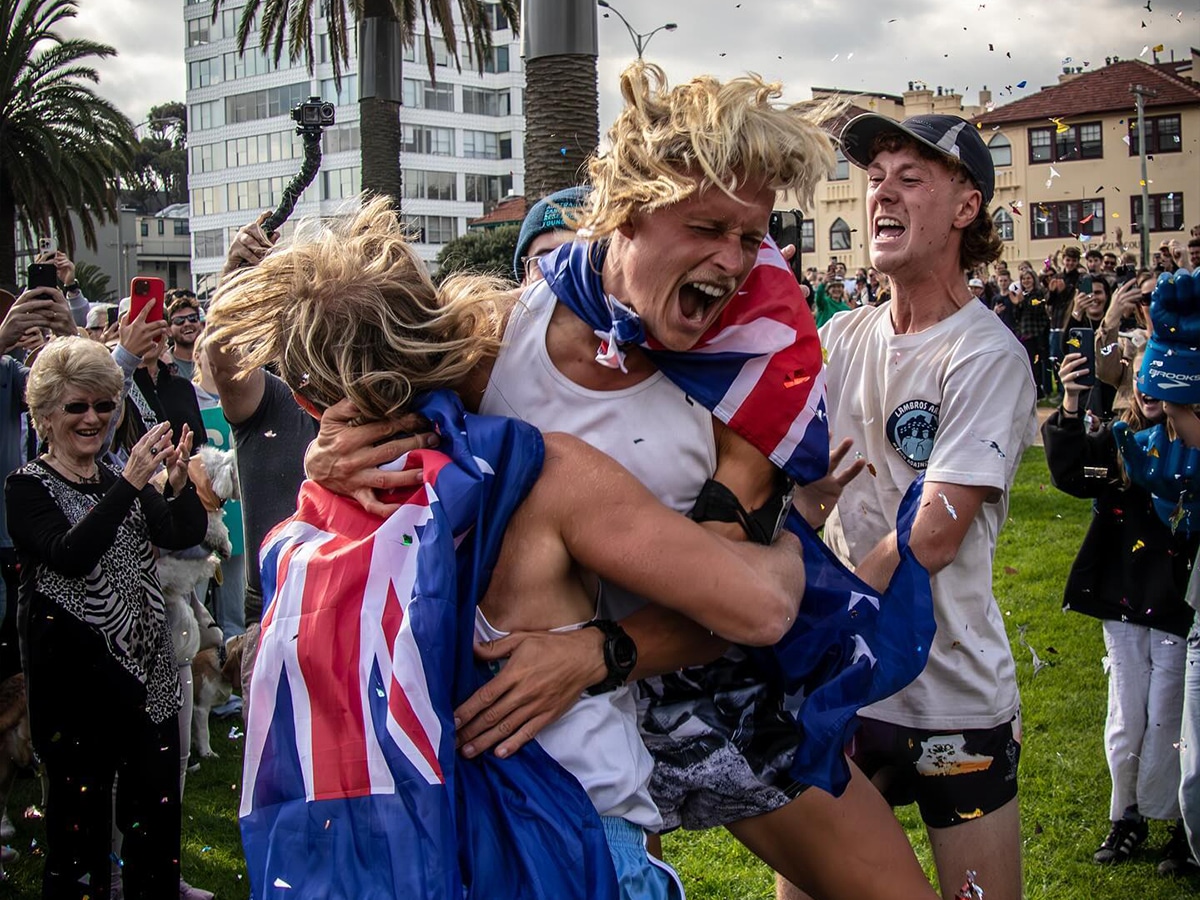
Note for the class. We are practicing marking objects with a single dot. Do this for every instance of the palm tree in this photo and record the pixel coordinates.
(562, 119)
(62, 147)
(292, 21)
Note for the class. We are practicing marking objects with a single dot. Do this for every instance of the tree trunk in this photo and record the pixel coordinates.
(562, 121)
(8, 242)
(379, 124)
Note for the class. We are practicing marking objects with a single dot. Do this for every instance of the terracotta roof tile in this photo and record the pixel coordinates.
(1105, 90)
(508, 211)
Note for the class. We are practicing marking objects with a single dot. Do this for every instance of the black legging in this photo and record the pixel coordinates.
(87, 733)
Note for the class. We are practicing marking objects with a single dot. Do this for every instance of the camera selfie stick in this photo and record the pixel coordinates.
(311, 118)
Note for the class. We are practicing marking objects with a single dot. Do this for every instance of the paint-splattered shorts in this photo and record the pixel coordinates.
(722, 744)
(953, 777)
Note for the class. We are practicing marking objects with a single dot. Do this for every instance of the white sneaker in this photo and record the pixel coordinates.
(187, 892)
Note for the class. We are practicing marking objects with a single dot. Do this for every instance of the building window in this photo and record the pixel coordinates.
(839, 235)
(208, 201)
(1084, 141)
(1163, 135)
(487, 188)
(482, 102)
(347, 95)
(162, 227)
(340, 184)
(427, 95)
(428, 140)
(1166, 212)
(202, 116)
(197, 31)
(145, 229)
(1067, 219)
(432, 229)
(210, 244)
(1001, 149)
(808, 236)
(341, 139)
(208, 157)
(496, 19)
(422, 185)
(481, 145)
(841, 171)
(266, 104)
(1004, 224)
(204, 72)
(181, 226)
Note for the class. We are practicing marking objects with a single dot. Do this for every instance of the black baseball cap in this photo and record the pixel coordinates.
(949, 135)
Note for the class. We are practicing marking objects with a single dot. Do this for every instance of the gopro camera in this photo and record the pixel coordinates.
(313, 113)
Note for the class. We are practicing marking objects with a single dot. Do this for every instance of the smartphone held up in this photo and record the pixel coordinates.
(147, 291)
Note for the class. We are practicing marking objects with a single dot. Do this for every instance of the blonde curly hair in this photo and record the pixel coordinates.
(725, 133)
(348, 310)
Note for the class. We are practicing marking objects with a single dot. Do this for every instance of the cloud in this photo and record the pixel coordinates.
(148, 36)
(796, 43)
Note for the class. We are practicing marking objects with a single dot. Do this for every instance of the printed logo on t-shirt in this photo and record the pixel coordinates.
(911, 428)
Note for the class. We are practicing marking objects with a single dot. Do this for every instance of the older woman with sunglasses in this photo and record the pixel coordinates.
(103, 689)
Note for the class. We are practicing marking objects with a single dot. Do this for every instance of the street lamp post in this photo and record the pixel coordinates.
(640, 40)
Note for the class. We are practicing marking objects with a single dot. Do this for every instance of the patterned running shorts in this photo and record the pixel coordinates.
(722, 744)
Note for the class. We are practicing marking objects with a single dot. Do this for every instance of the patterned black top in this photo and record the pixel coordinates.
(87, 550)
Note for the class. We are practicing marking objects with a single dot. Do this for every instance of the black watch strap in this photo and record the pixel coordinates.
(620, 655)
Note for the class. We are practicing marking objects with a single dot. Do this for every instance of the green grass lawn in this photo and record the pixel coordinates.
(1064, 779)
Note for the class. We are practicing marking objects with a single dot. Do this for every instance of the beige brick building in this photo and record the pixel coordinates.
(1067, 165)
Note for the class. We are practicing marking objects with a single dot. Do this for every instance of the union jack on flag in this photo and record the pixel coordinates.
(760, 370)
(351, 783)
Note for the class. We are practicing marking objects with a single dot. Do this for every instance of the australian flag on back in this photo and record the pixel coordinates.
(760, 370)
(352, 787)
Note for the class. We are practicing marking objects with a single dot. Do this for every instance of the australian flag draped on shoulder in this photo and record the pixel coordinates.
(352, 787)
(760, 370)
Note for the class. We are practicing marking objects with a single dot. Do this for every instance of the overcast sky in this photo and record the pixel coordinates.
(828, 43)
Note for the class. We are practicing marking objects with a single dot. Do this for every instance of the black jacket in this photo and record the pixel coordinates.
(1130, 566)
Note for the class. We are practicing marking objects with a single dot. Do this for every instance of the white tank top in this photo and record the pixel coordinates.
(653, 429)
(597, 741)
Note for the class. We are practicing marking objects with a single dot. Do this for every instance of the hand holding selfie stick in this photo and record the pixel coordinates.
(311, 118)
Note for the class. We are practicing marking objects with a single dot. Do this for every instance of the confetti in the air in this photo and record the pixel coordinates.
(949, 506)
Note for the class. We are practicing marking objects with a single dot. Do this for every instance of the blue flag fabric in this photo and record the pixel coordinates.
(352, 787)
(759, 370)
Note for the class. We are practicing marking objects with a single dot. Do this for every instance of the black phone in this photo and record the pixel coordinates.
(113, 311)
(1083, 341)
(1085, 284)
(41, 275)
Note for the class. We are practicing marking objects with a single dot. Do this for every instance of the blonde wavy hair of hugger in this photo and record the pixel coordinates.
(670, 141)
(347, 310)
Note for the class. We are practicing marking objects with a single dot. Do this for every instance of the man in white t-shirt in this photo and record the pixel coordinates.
(933, 383)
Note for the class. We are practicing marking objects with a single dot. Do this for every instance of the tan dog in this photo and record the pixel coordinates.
(216, 673)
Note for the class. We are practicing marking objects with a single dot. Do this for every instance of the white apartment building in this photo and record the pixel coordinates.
(463, 134)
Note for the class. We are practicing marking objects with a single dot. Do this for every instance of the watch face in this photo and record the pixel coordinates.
(624, 651)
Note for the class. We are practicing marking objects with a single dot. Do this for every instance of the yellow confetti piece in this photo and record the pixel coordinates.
(825, 355)
(1139, 546)
(1153, 451)
(1073, 342)
(1116, 215)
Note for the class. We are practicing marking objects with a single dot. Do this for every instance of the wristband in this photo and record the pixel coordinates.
(71, 288)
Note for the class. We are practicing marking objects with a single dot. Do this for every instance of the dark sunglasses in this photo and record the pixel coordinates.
(190, 317)
(79, 407)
